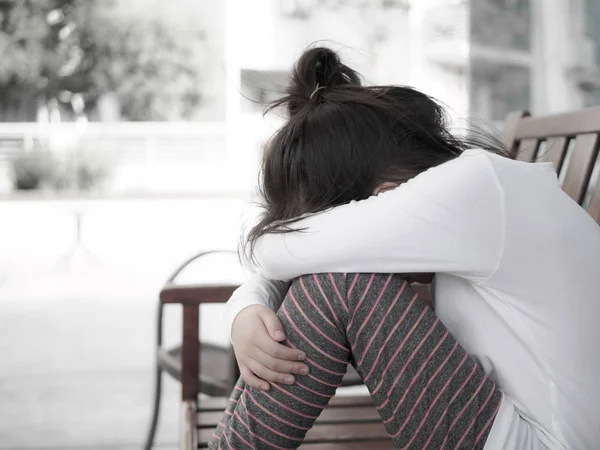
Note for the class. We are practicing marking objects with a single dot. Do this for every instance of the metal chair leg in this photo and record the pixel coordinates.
(158, 381)
(156, 410)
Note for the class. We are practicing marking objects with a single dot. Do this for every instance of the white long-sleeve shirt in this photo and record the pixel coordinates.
(517, 266)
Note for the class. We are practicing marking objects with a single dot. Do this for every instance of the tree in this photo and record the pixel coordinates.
(59, 51)
(152, 57)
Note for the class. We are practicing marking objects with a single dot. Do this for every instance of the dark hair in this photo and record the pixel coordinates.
(343, 139)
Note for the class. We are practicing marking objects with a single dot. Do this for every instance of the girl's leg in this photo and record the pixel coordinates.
(311, 315)
(429, 393)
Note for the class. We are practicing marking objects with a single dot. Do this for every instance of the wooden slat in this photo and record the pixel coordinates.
(510, 130)
(365, 414)
(346, 421)
(322, 433)
(344, 401)
(528, 150)
(594, 208)
(580, 166)
(556, 149)
(568, 124)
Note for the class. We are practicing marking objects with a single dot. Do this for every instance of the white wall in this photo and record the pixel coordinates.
(561, 53)
(385, 46)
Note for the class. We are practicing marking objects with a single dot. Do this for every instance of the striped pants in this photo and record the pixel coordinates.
(429, 392)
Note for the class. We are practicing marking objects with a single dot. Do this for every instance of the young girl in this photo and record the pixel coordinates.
(516, 265)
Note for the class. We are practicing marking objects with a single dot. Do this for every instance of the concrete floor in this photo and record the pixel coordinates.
(77, 324)
(78, 375)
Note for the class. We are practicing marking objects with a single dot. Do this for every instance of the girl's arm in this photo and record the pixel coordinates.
(256, 291)
(449, 219)
(258, 333)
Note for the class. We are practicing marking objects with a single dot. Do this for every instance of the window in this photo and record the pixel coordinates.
(502, 23)
(592, 14)
(260, 87)
(497, 90)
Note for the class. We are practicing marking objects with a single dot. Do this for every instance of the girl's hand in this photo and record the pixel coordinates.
(255, 336)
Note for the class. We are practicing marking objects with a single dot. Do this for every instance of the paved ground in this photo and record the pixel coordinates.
(77, 323)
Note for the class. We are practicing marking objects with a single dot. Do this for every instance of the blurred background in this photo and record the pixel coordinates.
(130, 135)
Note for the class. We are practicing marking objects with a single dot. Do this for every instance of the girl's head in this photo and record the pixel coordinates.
(343, 140)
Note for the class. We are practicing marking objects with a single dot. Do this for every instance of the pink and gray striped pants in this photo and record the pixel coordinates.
(429, 392)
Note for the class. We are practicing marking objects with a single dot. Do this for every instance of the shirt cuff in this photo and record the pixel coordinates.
(234, 307)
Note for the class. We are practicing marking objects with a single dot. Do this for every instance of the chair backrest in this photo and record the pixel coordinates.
(570, 141)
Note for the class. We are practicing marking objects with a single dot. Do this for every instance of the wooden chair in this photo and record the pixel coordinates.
(220, 373)
(216, 368)
(347, 423)
(570, 141)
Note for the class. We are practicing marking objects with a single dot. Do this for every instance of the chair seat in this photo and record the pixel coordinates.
(215, 369)
(347, 423)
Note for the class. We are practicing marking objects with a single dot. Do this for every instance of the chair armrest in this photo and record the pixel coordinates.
(191, 297)
(196, 294)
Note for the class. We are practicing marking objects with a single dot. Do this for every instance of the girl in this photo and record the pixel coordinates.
(515, 260)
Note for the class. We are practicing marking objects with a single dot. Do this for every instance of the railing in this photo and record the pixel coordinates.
(147, 157)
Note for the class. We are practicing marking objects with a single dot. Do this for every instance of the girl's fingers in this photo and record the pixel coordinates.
(252, 380)
(281, 366)
(270, 375)
(272, 324)
(280, 351)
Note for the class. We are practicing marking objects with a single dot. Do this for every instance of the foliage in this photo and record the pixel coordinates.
(42, 45)
(33, 169)
(82, 168)
(151, 58)
(91, 168)
(149, 54)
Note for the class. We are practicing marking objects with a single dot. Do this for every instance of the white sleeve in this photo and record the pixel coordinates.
(449, 219)
(256, 291)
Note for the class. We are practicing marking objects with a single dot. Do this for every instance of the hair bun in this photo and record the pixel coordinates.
(318, 69)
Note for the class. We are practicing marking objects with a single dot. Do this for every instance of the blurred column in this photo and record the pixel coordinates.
(237, 177)
(260, 39)
(232, 58)
(556, 50)
(439, 46)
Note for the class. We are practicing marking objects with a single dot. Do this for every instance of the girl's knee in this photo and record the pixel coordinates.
(322, 286)
(359, 284)
(322, 281)
(323, 293)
